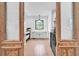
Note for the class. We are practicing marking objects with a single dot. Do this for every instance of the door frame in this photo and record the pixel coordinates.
(58, 28)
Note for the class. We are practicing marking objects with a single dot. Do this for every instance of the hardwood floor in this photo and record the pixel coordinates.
(37, 47)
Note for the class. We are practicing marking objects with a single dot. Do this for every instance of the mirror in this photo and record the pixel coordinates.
(12, 20)
(66, 20)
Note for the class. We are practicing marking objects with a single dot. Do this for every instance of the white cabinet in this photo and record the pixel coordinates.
(39, 34)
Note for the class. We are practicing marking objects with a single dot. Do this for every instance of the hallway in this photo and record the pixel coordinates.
(37, 47)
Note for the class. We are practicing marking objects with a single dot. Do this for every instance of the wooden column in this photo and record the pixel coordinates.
(2, 23)
(21, 16)
(58, 28)
(76, 23)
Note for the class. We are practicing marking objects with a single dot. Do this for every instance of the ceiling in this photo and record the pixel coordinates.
(36, 8)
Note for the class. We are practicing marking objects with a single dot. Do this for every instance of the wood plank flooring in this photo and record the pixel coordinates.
(37, 47)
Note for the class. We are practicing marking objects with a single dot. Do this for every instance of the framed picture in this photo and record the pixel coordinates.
(39, 24)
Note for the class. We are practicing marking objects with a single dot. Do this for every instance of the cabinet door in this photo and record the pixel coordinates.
(67, 29)
(12, 28)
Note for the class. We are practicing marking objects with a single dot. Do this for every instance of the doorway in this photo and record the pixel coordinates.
(39, 29)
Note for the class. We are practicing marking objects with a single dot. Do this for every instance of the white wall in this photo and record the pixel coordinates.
(36, 8)
(51, 18)
(66, 20)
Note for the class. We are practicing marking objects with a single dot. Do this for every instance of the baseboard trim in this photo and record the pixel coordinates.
(39, 38)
